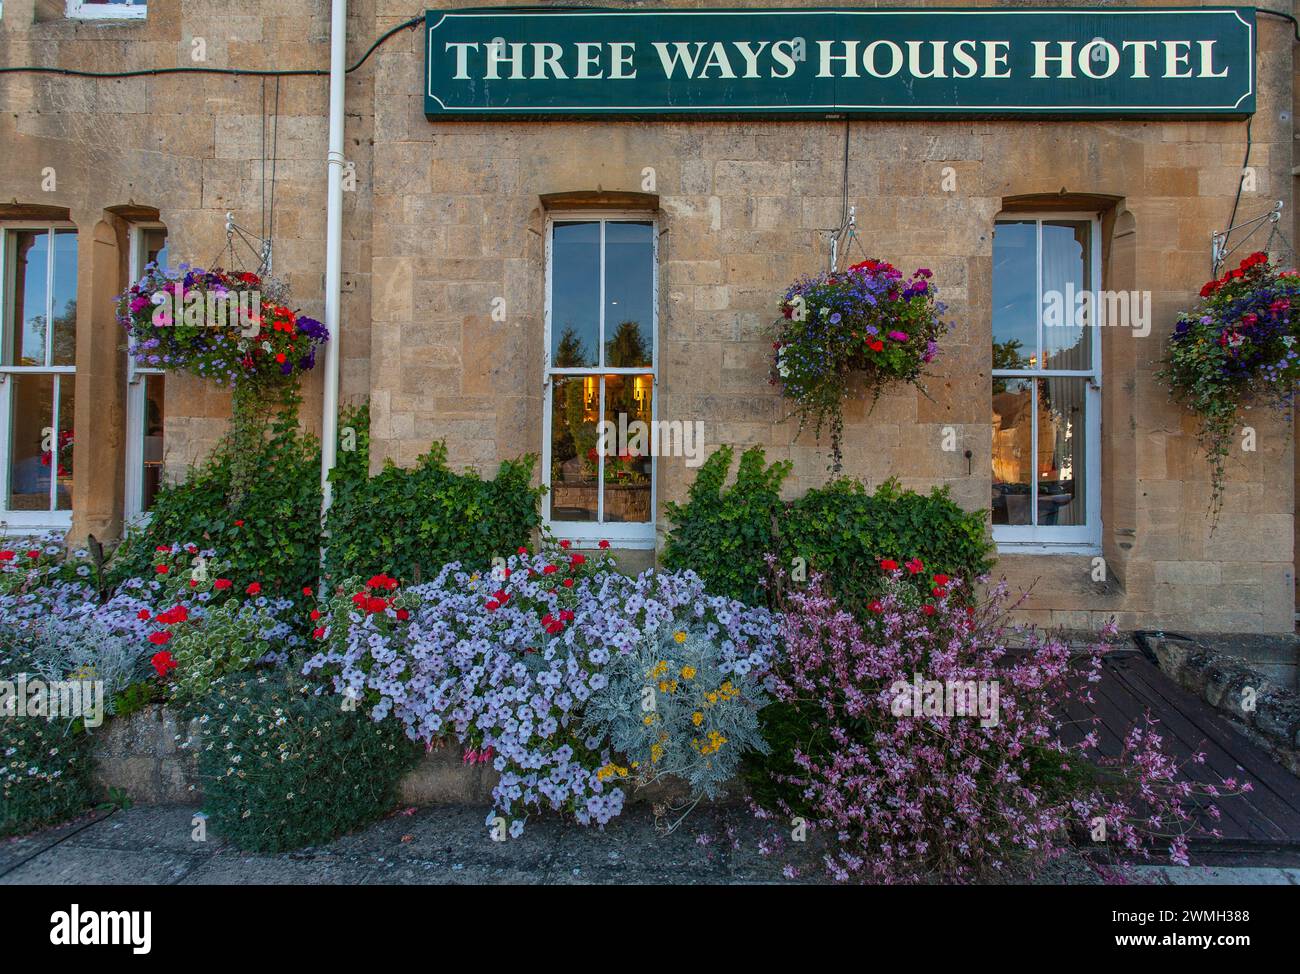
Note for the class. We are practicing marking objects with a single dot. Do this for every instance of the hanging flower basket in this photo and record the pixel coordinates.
(866, 321)
(232, 328)
(1236, 349)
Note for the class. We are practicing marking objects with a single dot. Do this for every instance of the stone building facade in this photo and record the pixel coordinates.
(446, 238)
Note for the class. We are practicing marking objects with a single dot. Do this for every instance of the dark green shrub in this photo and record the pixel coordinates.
(278, 542)
(409, 522)
(284, 768)
(844, 532)
(46, 766)
(723, 533)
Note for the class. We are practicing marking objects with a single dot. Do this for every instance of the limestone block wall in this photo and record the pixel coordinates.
(457, 222)
(190, 147)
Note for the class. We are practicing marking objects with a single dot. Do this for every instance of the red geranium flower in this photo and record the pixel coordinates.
(888, 565)
(314, 615)
(318, 632)
(159, 638)
(221, 584)
(376, 604)
(142, 614)
(604, 544)
(568, 583)
(941, 579)
(254, 588)
(915, 566)
(550, 569)
(928, 609)
(307, 591)
(163, 662)
(577, 560)
(565, 544)
(403, 614)
(6, 556)
(160, 569)
(33, 554)
(162, 547)
(875, 606)
(239, 524)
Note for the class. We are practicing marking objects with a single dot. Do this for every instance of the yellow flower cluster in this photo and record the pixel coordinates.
(679, 636)
(667, 686)
(656, 752)
(724, 693)
(688, 673)
(611, 770)
(661, 669)
(697, 718)
(710, 746)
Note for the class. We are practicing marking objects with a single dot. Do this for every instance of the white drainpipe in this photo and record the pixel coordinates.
(333, 249)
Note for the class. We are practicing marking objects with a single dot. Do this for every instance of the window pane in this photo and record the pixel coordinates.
(1015, 295)
(64, 348)
(1013, 452)
(575, 405)
(629, 295)
(575, 295)
(1067, 274)
(152, 449)
(1061, 451)
(67, 386)
(628, 405)
(154, 244)
(31, 418)
(25, 341)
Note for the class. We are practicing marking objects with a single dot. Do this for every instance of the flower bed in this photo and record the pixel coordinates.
(513, 668)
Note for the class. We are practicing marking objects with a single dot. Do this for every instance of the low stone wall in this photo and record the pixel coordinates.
(1269, 712)
(151, 757)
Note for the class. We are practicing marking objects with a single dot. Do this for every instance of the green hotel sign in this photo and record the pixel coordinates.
(501, 62)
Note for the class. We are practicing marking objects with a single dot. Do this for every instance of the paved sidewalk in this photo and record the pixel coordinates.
(449, 844)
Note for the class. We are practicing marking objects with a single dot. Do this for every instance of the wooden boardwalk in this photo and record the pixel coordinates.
(1267, 817)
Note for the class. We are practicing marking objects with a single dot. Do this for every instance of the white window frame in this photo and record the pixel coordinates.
(80, 10)
(135, 397)
(1062, 539)
(28, 522)
(621, 534)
